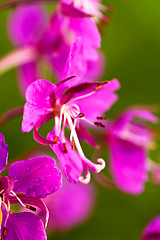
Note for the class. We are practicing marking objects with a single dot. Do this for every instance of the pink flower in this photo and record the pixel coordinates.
(70, 108)
(129, 140)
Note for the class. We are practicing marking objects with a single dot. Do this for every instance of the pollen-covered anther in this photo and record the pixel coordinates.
(98, 87)
(0, 237)
(31, 208)
(101, 118)
(65, 148)
(4, 232)
(73, 144)
(99, 124)
(101, 165)
(81, 115)
(55, 138)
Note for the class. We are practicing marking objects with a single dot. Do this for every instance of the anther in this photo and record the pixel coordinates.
(56, 138)
(0, 237)
(73, 144)
(101, 118)
(4, 232)
(98, 124)
(81, 115)
(65, 148)
(31, 208)
(1, 196)
(98, 87)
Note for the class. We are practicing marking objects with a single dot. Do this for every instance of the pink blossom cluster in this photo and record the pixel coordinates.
(59, 63)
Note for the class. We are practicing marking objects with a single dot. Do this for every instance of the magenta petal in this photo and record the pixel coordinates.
(26, 24)
(37, 103)
(77, 207)
(25, 226)
(95, 105)
(70, 161)
(36, 134)
(71, 11)
(81, 90)
(3, 153)
(27, 74)
(129, 126)
(87, 29)
(152, 231)
(75, 64)
(131, 114)
(128, 166)
(36, 177)
(6, 185)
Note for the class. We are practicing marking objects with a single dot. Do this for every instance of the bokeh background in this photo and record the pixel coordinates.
(131, 43)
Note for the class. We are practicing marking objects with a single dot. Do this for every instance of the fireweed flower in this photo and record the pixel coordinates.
(28, 181)
(70, 108)
(152, 230)
(77, 207)
(129, 140)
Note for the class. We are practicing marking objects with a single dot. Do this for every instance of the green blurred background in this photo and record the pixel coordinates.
(131, 43)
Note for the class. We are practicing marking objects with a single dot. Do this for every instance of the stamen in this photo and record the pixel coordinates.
(31, 208)
(101, 118)
(56, 138)
(81, 115)
(65, 148)
(4, 231)
(73, 144)
(98, 124)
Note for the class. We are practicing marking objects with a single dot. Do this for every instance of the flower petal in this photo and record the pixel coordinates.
(3, 153)
(77, 207)
(32, 201)
(152, 231)
(75, 64)
(25, 226)
(95, 105)
(27, 74)
(36, 177)
(128, 166)
(26, 24)
(69, 159)
(6, 185)
(37, 103)
(129, 126)
(85, 28)
(68, 9)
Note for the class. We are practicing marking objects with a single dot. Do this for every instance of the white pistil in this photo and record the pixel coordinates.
(86, 179)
